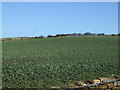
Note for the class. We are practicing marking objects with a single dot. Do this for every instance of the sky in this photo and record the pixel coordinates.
(28, 19)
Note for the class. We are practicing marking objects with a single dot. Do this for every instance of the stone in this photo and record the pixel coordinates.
(89, 82)
(110, 85)
(74, 86)
(104, 86)
(96, 81)
(103, 79)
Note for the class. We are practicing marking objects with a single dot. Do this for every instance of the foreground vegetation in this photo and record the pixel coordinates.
(49, 62)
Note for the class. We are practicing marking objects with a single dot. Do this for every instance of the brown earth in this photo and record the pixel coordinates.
(16, 38)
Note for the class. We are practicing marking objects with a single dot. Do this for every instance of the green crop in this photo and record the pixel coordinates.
(48, 62)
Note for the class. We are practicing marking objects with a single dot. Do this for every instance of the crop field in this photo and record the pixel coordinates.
(52, 62)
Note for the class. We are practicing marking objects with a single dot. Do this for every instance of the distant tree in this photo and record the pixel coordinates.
(101, 34)
(79, 34)
(62, 35)
(74, 34)
(93, 34)
(118, 34)
(57, 35)
(41, 36)
(8, 39)
(35, 37)
(87, 34)
(113, 35)
(3, 40)
(21, 39)
(49, 36)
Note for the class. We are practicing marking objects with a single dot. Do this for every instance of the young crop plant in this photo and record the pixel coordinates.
(49, 62)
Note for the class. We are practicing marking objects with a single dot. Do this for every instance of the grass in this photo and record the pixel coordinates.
(48, 62)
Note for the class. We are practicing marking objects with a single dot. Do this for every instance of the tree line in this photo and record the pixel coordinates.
(61, 35)
(77, 34)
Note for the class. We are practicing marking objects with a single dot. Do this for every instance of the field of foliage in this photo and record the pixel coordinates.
(49, 62)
